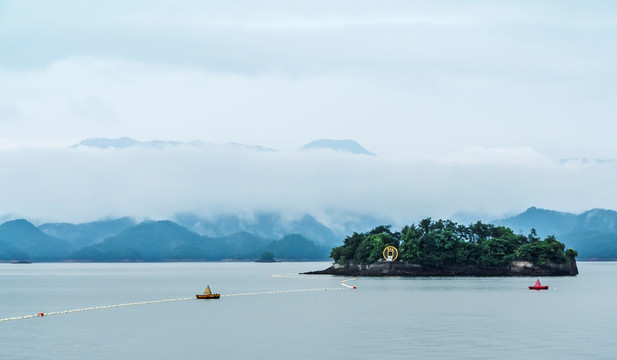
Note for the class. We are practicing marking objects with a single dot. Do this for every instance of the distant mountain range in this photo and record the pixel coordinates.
(587, 161)
(592, 233)
(190, 237)
(79, 235)
(349, 146)
(126, 142)
(145, 241)
(268, 225)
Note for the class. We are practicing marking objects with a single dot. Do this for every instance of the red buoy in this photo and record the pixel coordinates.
(40, 314)
(538, 286)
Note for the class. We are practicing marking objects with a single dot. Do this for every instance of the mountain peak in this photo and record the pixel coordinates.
(19, 224)
(598, 211)
(350, 146)
(546, 222)
(20, 239)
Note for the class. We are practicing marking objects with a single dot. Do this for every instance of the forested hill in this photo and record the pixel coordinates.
(20, 240)
(147, 241)
(445, 243)
(592, 233)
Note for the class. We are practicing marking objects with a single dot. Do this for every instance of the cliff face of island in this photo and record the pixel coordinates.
(397, 268)
(444, 248)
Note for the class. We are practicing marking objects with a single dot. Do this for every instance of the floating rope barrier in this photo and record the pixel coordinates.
(282, 292)
(176, 299)
(95, 308)
(348, 286)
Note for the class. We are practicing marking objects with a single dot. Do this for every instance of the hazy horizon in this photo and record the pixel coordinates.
(86, 184)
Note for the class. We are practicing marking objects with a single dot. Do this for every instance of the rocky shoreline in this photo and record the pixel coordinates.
(398, 268)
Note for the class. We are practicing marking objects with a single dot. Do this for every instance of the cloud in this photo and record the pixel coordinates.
(83, 97)
(524, 157)
(87, 184)
(469, 105)
(9, 113)
(434, 113)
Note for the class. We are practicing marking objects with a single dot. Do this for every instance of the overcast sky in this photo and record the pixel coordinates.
(470, 106)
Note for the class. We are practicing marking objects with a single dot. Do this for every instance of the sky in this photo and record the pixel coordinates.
(472, 107)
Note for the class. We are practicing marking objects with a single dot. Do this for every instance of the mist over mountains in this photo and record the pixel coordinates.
(190, 237)
(145, 241)
(234, 201)
(78, 235)
(157, 179)
(264, 225)
(349, 146)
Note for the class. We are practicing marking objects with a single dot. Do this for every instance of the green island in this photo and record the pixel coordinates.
(445, 248)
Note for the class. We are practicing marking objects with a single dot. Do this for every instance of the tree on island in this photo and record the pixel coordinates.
(444, 243)
(267, 256)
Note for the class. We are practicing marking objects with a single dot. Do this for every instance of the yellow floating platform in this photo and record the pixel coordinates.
(208, 294)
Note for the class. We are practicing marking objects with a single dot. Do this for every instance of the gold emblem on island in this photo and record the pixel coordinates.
(390, 253)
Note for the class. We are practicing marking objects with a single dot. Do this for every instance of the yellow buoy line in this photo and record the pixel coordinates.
(103, 307)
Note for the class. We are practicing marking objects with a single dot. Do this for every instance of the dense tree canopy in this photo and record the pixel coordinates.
(443, 242)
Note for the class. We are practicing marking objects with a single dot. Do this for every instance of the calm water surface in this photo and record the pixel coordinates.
(394, 318)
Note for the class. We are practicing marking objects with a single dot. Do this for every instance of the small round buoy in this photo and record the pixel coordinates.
(40, 314)
(353, 287)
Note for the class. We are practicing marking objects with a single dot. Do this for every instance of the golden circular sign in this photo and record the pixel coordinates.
(390, 253)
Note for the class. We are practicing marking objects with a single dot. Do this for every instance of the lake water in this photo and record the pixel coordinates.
(394, 318)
